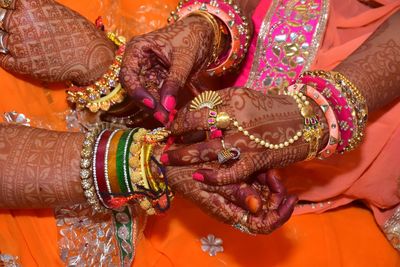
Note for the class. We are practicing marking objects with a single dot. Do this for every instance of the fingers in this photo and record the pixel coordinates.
(277, 190)
(187, 121)
(242, 195)
(136, 63)
(238, 171)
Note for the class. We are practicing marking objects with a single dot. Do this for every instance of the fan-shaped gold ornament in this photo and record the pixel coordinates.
(207, 99)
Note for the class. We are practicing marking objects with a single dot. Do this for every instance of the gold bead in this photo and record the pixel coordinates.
(299, 133)
(276, 146)
(252, 137)
(246, 133)
(240, 128)
(262, 142)
(223, 120)
(280, 145)
(291, 141)
(257, 140)
(286, 143)
(235, 123)
(271, 146)
(295, 138)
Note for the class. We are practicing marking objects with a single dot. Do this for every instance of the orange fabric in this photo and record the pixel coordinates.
(347, 236)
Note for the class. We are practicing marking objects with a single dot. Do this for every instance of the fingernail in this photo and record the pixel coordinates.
(252, 204)
(164, 159)
(159, 116)
(198, 177)
(169, 103)
(148, 103)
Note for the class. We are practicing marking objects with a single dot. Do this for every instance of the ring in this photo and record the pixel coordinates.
(207, 99)
(5, 3)
(226, 155)
(240, 225)
(3, 48)
(2, 16)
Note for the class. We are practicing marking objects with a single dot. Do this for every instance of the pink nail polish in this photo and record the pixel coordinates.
(164, 159)
(169, 103)
(159, 116)
(198, 177)
(148, 103)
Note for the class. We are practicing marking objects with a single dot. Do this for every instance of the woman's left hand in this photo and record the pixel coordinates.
(274, 119)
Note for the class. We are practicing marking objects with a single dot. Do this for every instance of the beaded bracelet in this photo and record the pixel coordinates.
(234, 22)
(329, 114)
(86, 167)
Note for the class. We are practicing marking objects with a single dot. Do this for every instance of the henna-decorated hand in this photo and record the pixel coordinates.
(264, 202)
(164, 59)
(50, 42)
(274, 119)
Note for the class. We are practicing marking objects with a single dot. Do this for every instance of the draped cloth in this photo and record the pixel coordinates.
(344, 234)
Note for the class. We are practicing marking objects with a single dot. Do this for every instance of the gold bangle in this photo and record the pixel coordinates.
(312, 131)
(217, 34)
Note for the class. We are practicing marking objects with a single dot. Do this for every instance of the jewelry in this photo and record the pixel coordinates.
(329, 114)
(241, 225)
(5, 4)
(207, 99)
(324, 82)
(235, 23)
(3, 48)
(265, 143)
(86, 165)
(359, 104)
(217, 34)
(313, 130)
(105, 92)
(2, 15)
(226, 155)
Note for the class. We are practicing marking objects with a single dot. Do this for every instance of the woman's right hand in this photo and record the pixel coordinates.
(260, 206)
(164, 59)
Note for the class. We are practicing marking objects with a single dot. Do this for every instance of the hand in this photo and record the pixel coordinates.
(50, 42)
(156, 65)
(261, 206)
(275, 119)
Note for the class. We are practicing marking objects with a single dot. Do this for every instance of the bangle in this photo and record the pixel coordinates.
(236, 24)
(360, 107)
(111, 167)
(217, 35)
(86, 167)
(312, 131)
(349, 105)
(329, 114)
(106, 91)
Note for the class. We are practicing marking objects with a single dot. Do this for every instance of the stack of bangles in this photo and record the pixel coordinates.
(231, 31)
(107, 90)
(344, 108)
(117, 169)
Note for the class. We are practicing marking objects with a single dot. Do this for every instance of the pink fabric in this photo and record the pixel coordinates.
(370, 173)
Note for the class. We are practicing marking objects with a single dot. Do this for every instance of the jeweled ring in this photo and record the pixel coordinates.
(3, 48)
(229, 154)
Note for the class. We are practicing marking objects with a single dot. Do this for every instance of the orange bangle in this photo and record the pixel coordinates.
(112, 163)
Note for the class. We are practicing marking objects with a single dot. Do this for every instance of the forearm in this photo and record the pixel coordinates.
(375, 67)
(39, 168)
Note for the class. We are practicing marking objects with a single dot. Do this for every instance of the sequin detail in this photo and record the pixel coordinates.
(87, 238)
(7, 260)
(392, 229)
(211, 244)
(16, 118)
(287, 44)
